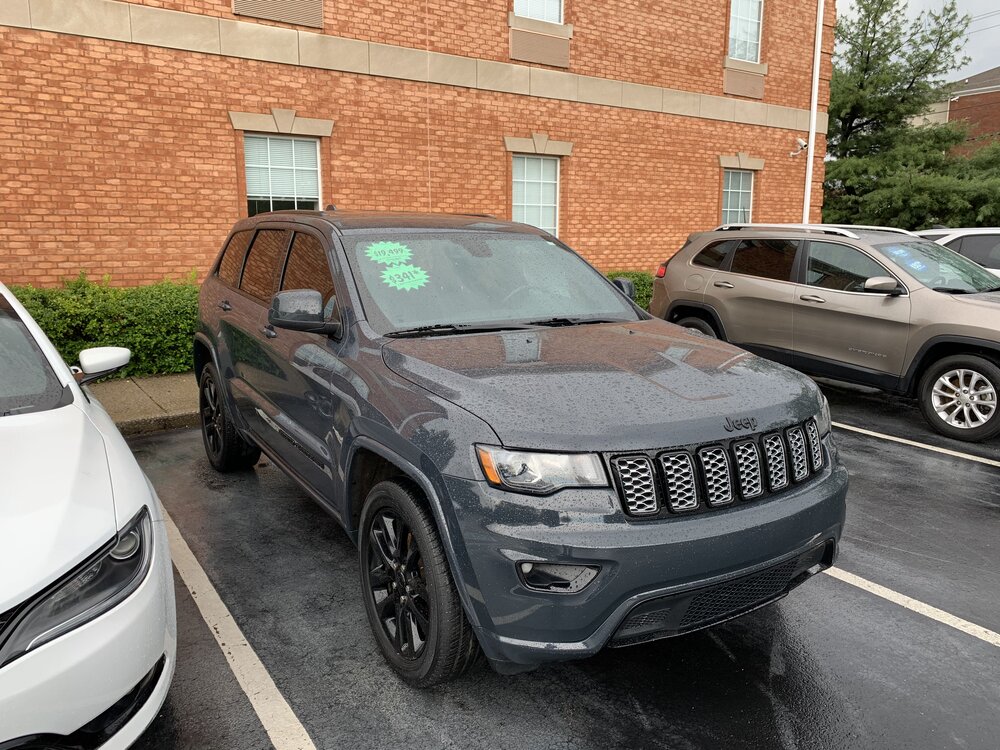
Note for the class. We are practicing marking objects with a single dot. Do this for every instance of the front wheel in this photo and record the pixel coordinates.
(410, 598)
(958, 397)
(698, 324)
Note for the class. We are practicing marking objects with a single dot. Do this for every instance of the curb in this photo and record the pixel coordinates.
(161, 423)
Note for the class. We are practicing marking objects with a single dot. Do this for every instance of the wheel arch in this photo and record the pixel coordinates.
(937, 348)
(685, 309)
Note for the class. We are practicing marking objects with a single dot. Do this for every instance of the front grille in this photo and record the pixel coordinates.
(635, 476)
(699, 478)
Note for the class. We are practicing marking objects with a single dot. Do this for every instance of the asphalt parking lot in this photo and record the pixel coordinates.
(831, 666)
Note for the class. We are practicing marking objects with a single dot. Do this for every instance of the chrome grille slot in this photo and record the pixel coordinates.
(678, 475)
(797, 449)
(777, 466)
(718, 479)
(635, 476)
(815, 445)
(748, 469)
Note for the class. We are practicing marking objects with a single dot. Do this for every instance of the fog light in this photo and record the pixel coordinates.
(560, 578)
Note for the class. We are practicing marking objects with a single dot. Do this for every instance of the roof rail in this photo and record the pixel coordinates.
(818, 228)
(872, 228)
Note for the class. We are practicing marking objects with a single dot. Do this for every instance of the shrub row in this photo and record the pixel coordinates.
(157, 322)
(643, 285)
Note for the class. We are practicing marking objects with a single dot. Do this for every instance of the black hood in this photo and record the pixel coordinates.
(614, 386)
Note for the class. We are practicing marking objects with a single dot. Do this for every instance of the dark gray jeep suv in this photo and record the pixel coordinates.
(532, 467)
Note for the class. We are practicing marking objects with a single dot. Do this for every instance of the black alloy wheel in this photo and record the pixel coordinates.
(409, 593)
(398, 585)
(226, 449)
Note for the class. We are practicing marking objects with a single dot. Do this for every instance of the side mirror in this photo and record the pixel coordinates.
(100, 361)
(883, 284)
(627, 286)
(301, 310)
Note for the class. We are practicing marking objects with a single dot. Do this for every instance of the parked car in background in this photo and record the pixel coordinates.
(87, 622)
(532, 467)
(869, 306)
(981, 245)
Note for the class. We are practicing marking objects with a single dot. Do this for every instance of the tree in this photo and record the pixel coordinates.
(885, 169)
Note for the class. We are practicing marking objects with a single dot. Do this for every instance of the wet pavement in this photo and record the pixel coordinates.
(831, 666)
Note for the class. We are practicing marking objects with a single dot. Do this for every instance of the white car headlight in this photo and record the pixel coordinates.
(540, 473)
(100, 583)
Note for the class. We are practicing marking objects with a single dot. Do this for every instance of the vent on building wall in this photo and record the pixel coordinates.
(301, 12)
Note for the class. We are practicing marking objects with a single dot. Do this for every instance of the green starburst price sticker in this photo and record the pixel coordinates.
(404, 277)
(388, 253)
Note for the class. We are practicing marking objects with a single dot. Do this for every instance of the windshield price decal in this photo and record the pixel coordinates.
(404, 277)
(388, 253)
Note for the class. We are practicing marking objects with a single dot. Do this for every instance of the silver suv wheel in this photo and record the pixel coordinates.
(958, 397)
(964, 399)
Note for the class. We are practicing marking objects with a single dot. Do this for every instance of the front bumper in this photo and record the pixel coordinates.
(668, 562)
(115, 669)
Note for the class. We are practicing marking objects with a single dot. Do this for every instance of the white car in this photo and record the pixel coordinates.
(87, 620)
(981, 245)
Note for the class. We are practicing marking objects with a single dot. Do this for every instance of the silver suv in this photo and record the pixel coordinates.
(878, 307)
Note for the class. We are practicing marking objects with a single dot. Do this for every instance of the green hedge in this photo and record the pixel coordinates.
(157, 322)
(643, 285)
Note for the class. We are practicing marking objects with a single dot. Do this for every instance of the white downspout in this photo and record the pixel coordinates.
(813, 110)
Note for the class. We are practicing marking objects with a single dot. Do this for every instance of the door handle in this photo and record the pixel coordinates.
(812, 298)
(724, 285)
(269, 332)
(225, 306)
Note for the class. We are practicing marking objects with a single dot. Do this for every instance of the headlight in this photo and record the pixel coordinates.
(540, 473)
(823, 418)
(87, 592)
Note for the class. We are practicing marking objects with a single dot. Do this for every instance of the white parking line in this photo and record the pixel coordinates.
(969, 628)
(279, 721)
(915, 444)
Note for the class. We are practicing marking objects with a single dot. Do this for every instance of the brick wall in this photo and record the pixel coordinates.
(673, 44)
(981, 113)
(120, 159)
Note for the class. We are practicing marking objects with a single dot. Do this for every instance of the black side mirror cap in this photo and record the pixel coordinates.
(627, 286)
(302, 310)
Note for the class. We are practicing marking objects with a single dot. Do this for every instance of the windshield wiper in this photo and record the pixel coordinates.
(576, 321)
(992, 289)
(950, 290)
(445, 329)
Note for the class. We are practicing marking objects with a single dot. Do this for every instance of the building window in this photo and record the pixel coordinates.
(540, 10)
(536, 192)
(744, 29)
(282, 173)
(737, 196)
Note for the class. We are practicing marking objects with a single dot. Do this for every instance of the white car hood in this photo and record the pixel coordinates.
(56, 504)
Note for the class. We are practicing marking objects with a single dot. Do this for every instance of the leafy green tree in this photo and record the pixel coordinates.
(885, 169)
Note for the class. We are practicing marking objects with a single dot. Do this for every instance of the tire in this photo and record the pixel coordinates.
(698, 324)
(974, 413)
(226, 449)
(437, 643)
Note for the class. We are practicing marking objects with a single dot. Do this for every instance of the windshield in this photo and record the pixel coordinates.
(27, 382)
(939, 268)
(467, 278)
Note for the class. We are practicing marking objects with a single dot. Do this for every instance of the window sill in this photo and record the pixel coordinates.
(744, 66)
(561, 30)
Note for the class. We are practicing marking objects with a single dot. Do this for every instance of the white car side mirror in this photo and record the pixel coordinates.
(101, 361)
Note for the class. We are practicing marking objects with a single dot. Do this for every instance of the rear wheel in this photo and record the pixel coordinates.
(410, 598)
(958, 397)
(226, 449)
(698, 324)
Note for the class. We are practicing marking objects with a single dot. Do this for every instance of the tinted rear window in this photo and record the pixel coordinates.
(714, 256)
(264, 261)
(982, 248)
(770, 259)
(232, 257)
(27, 381)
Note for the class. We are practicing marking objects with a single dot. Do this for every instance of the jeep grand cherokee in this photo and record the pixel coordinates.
(532, 467)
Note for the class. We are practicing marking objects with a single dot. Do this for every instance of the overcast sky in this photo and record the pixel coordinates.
(983, 42)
